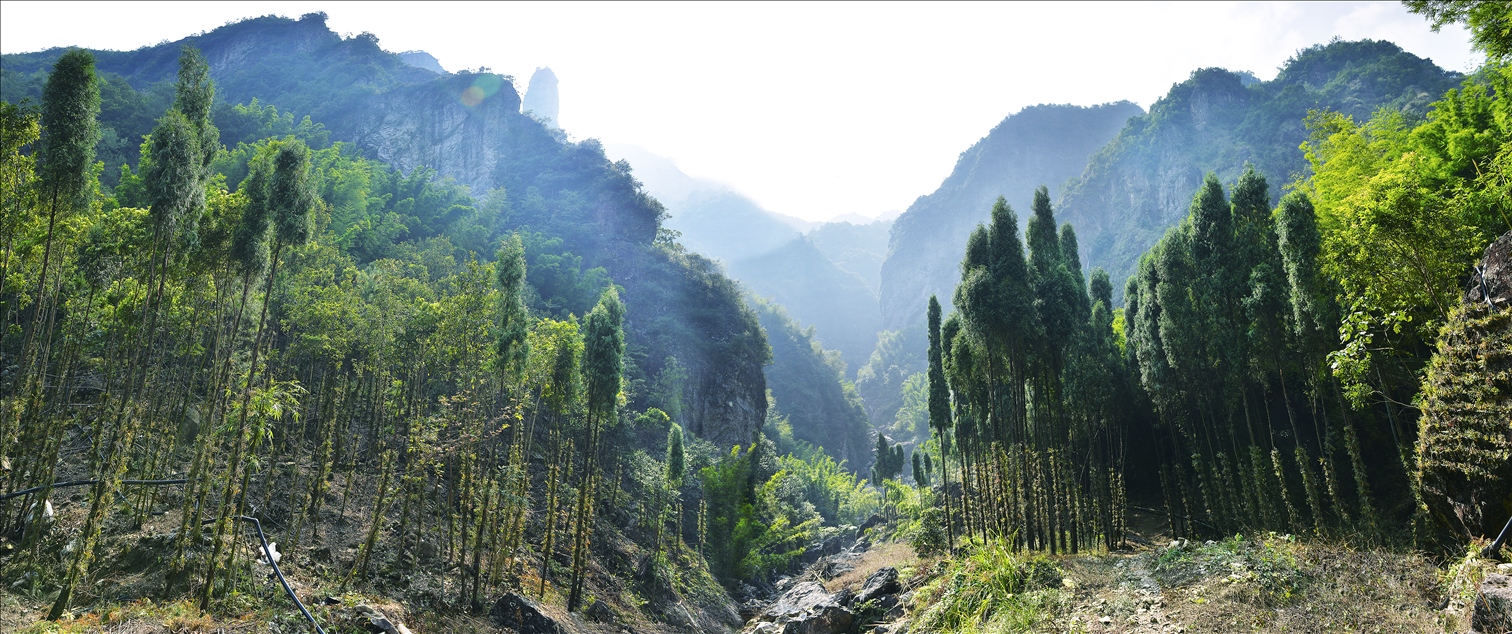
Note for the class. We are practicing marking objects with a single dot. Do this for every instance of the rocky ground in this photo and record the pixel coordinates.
(1272, 583)
(851, 584)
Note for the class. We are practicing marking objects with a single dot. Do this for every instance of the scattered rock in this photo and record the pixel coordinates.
(523, 615)
(376, 621)
(831, 569)
(808, 609)
(600, 612)
(870, 522)
(1493, 605)
(882, 582)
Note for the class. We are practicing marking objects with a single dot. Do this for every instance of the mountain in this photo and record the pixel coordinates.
(858, 246)
(1219, 121)
(809, 386)
(541, 98)
(467, 128)
(1039, 145)
(422, 60)
(825, 278)
(727, 226)
(833, 301)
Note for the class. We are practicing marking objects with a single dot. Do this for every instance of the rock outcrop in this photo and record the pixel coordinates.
(805, 609)
(523, 615)
(541, 99)
(1464, 471)
(1493, 606)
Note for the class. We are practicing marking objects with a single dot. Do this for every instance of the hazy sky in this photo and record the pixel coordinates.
(812, 109)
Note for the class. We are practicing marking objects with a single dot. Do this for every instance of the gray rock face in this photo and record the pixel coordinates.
(1494, 278)
(541, 97)
(1493, 606)
(455, 125)
(805, 609)
(881, 583)
(523, 615)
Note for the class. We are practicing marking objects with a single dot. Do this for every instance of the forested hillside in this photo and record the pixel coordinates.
(276, 76)
(1219, 121)
(407, 379)
(1044, 144)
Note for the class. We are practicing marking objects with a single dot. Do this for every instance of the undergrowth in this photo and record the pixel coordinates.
(992, 589)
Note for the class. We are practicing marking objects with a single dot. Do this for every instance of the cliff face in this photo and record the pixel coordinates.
(1219, 121)
(1040, 145)
(468, 127)
(455, 125)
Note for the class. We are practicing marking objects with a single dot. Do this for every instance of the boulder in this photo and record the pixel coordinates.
(522, 614)
(600, 612)
(881, 583)
(808, 609)
(1492, 280)
(1493, 606)
(375, 621)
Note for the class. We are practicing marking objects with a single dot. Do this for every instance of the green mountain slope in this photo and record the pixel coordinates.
(466, 127)
(808, 383)
(1040, 145)
(817, 293)
(1218, 121)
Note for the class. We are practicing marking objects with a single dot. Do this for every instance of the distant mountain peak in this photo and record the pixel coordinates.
(541, 97)
(422, 60)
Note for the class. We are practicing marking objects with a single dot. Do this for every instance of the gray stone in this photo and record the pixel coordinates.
(1493, 605)
(1493, 279)
(600, 612)
(520, 613)
(882, 582)
(808, 609)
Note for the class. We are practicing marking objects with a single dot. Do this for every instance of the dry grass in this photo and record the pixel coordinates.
(899, 555)
(1268, 585)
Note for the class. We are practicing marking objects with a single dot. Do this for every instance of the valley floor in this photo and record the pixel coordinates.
(1270, 583)
(1242, 584)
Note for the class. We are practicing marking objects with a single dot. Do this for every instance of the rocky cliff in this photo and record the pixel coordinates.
(1040, 145)
(1219, 121)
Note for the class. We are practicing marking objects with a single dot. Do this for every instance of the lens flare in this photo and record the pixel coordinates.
(483, 87)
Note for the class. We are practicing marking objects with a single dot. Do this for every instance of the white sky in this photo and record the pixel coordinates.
(814, 110)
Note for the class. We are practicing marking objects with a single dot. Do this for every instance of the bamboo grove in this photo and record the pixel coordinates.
(1229, 377)
(1023, 390)
(1253, 432)
(220, 334)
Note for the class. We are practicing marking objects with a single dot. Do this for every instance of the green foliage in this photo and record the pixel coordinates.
(821, 407)
(994, 588)
(1403, 211)
(755, 539)
(888, 462)
(880, 381)
(676, 464)
(1489, 22)
(70, 107)
(603, 354)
